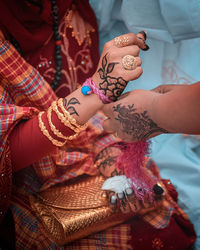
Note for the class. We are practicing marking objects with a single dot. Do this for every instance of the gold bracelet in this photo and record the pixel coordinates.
(71, 119)
(46, 132)
(63, 118)
(55, 130)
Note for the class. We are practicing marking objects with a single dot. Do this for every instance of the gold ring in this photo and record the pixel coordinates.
(129, 62)
(121, 41)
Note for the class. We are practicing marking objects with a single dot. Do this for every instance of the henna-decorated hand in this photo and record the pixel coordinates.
(106, 162)
(122, 196)
(132, 117)
(111, 77)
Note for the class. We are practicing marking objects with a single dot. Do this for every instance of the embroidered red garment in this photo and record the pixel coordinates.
(23, 91)
(33, 31)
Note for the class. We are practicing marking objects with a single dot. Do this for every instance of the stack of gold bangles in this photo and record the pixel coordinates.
(65, 117)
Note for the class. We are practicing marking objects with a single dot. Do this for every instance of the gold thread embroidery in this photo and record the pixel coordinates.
(157, 243)
(80, 29)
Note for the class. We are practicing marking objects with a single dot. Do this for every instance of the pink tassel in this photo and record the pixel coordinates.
(131, 162)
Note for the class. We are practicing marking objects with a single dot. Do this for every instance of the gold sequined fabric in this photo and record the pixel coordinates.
(75, 211)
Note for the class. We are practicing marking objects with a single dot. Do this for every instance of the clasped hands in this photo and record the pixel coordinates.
(129, 116)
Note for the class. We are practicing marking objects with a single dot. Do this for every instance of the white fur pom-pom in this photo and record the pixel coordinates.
(117, 184)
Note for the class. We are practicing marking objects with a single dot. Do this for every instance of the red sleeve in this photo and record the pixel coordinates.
(28, 144)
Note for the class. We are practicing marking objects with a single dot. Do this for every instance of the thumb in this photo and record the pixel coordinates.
(107, 126)
(107, 109)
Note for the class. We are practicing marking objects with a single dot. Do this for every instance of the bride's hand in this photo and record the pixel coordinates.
(119, 64)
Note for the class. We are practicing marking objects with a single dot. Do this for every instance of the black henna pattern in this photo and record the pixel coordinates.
(105, 162)
(111, 86)
(136, 125)
(69, 105)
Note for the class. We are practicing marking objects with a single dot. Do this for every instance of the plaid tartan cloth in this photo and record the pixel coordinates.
(23, 93)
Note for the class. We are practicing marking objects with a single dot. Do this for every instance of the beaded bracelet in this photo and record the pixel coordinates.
(55, 130)
(46, 132)
(89, 87)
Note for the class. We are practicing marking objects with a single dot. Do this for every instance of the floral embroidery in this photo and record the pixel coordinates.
(80, 61)
(157, 244)
(80, 29)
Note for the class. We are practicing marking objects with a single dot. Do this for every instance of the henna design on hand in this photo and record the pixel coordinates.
(108, 163)
(105, 162)
(111, 86)
(69, 105)
(136, 125)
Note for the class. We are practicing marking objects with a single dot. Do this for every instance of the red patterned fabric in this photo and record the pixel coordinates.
(179, 234)
(24, 92)
(33, 32)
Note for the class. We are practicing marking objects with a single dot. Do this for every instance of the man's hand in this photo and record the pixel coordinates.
(131, 118)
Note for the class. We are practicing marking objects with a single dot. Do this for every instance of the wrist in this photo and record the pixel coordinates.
(156, 113)
(178, 109)
(160, 113)
(90, 87)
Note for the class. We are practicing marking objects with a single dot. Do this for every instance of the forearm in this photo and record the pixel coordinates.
(111, 78)
(178, 111)
(84, 107)
(28, 143)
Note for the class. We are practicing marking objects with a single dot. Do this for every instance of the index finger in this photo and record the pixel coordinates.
(131, 39)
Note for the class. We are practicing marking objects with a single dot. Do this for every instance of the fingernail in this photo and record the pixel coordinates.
(158, 189)
(141, 39)
(113, 199)
(146, 48)
(120, 196)
(129, 191)
(144, 34)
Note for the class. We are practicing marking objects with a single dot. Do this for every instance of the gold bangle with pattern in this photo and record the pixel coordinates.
(63, 119)
(46, 132)
(67, 114)
(55, 130)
